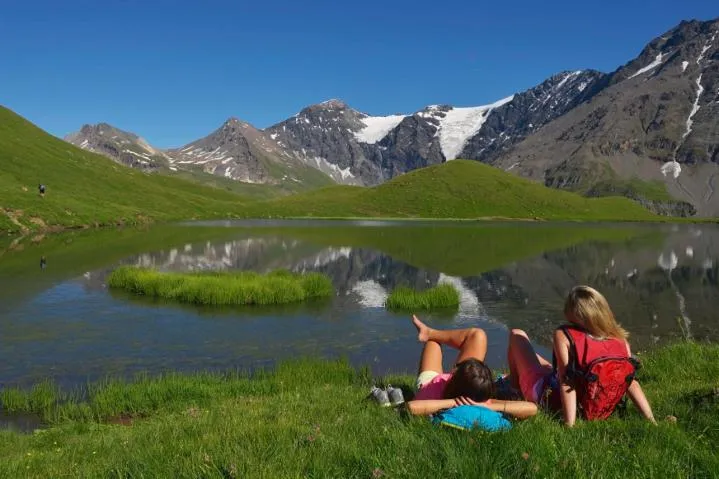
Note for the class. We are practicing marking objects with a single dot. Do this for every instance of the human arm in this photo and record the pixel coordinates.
(567, 393)
(516, 409)
(636, 394)
(426, 407)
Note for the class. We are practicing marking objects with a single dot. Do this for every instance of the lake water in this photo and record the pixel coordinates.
(58, 319)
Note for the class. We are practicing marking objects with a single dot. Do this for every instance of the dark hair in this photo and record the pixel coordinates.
(473, 379)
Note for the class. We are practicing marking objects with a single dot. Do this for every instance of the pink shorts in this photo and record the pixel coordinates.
(532, 382)
(431, 384)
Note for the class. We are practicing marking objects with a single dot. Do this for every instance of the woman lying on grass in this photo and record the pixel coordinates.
(469, 383)
(594, 365)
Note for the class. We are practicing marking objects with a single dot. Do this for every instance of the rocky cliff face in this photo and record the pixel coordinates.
(121, 146)
(530, 110)
(656, 120)
(236, 150)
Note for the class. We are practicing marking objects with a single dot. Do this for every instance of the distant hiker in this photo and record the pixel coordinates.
(41, 189)
(43, 263)
(592, 365)
(469, 383)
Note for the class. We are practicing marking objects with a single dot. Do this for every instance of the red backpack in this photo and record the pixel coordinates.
(601, 383)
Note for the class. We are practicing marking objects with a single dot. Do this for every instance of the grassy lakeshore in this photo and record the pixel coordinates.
(443, 296)
(308, 418)
(222, 288)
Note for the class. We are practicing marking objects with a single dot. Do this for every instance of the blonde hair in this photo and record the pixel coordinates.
(586, 307)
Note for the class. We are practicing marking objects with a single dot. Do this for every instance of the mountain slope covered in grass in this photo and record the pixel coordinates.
(85, 188)
(457, 189)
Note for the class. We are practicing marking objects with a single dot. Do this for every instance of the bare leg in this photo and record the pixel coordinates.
(471, 342)
(431, 359)
(522, 357)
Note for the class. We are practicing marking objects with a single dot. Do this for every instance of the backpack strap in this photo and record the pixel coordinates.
(573, 370)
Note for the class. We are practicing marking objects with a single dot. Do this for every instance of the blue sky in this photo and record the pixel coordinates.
(172, 71)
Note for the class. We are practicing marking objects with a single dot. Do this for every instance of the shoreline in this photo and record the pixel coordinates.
(54, 229)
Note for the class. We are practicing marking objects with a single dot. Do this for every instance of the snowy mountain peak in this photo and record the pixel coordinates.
(333, 103)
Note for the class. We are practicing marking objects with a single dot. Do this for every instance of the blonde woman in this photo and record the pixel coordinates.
(592, 363)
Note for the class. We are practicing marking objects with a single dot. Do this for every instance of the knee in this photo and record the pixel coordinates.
(478, 334)
(517, 333)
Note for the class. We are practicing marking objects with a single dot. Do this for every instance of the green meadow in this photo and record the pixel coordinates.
(458, 189)
(310, 418)
(222, 288)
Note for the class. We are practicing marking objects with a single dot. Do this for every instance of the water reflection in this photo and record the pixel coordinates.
(661, 286)
(638, 279)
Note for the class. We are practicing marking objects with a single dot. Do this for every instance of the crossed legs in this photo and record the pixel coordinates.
(470, 342)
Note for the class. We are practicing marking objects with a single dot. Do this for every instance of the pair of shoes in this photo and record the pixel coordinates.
(387, 397)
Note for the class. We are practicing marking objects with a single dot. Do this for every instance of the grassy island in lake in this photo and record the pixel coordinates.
(222, 288)
(443, 296)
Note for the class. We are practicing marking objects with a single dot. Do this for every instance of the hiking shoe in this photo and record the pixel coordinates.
(395, 395)
(380, 396)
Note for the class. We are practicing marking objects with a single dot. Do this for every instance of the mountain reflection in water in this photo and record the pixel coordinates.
(661, 289)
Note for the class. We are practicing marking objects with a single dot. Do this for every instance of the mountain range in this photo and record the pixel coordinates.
(648, 131)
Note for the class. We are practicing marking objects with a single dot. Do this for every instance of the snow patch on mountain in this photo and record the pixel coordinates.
(695, 108)
(334, 171)
(657, 61)
(460, 124)
(685, 64)
(671, 168)
(377, 127)
(706, 48)
(566, 79)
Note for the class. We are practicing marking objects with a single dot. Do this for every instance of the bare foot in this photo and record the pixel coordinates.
(422, 329)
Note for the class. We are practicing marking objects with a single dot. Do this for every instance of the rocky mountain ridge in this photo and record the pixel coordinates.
(657, 120)
(647, 131)
(124, 147)
(352, 147)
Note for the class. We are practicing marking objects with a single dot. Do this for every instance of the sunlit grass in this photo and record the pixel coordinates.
(443, 296)
(309, 418)
(456, 189)
(223, 288)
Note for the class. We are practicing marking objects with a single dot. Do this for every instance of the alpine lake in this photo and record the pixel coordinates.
(59, 321)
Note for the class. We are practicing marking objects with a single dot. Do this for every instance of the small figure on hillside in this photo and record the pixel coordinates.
(43, 263)
(41, 189)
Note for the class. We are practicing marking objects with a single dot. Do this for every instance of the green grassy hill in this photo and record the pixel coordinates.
(457, 189)
(84, 188)
(311, 179)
